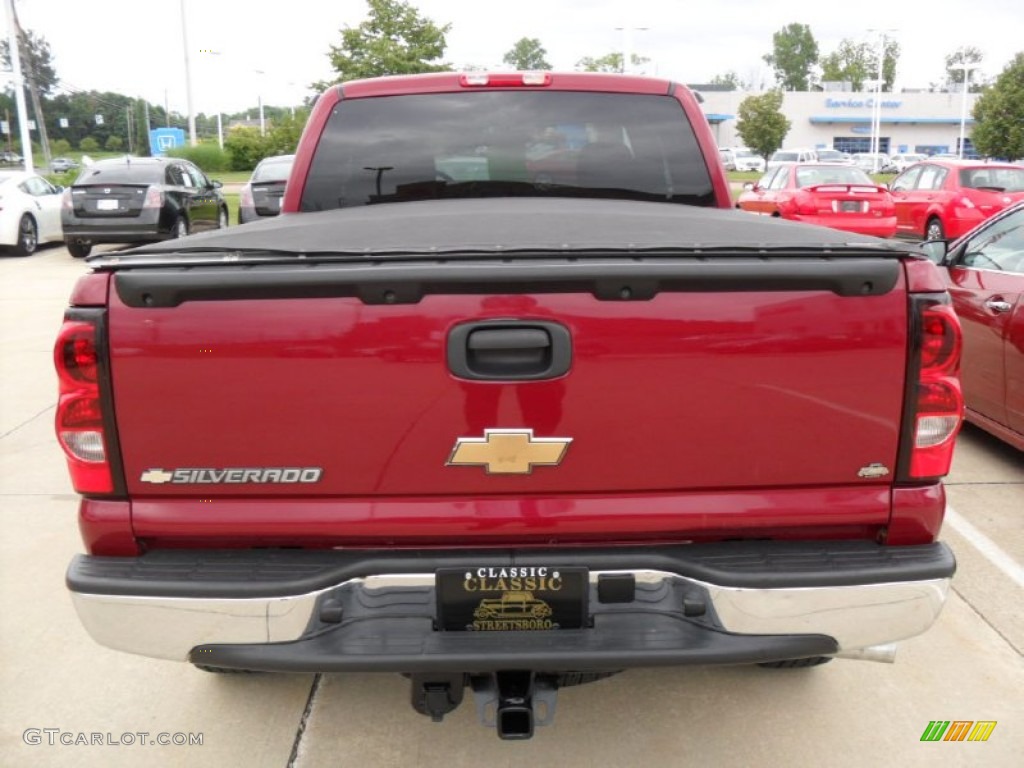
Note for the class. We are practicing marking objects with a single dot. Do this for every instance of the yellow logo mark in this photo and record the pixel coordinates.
(513, 605)
(156, 476)
(509, 451)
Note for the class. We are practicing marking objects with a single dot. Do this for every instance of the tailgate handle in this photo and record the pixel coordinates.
(509, 350)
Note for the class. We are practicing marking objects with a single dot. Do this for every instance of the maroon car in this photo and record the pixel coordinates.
(986, 280)
(828, 195)
(943, 199)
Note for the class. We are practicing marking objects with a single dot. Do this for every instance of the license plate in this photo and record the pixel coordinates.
(507, 598)
(106, 205)
(849, 206)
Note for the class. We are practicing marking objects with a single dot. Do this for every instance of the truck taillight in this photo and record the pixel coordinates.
(935, 403)
(245, 199)
(65, 200)
(80, 419)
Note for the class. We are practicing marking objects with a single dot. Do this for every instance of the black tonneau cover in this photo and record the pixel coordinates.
(496, 226)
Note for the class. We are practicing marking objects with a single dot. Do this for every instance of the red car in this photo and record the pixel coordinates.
(827, 195)
(944, 199)
(985, 271)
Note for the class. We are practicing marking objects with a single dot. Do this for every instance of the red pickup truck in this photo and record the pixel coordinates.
(509, 399)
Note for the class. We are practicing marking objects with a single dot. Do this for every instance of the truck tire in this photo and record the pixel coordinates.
(810, 661)
(78, 249)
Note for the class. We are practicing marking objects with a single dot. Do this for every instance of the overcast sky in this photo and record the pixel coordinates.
(135, 46)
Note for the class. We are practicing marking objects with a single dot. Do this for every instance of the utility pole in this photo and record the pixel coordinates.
(963, 101)
(19, 84)
(876, 108)
(145, 108)
(33, 90)
(188, 78)
(627, 46)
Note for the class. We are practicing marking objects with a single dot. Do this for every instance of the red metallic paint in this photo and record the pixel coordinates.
(917, 514)
(813, 204)
(924, 277)
(443, 82)
(666, 398)
(944, 201)
(106, 528)
(90, 290)
(812, 513)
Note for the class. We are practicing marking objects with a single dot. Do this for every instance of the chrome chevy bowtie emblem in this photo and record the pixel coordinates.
(508, 451)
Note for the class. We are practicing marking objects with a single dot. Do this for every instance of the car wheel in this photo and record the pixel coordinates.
(78, 249)
(933, 230)
(810, 661)
(222, 218)
(180, 228)
(28, 236)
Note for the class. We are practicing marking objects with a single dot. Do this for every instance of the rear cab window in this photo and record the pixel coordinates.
(507, 143)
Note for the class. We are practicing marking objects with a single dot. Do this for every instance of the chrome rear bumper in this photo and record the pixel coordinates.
(855, 616)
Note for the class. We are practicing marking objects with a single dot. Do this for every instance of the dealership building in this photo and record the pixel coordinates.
(925, 123)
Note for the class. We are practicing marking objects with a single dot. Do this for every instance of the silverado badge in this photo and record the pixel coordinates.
(508, 451)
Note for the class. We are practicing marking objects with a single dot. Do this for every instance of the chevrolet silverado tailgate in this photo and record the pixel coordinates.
(360, 379)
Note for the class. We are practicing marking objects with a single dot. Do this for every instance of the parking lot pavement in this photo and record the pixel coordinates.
(847, 713)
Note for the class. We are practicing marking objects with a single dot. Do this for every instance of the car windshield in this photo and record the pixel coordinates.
(830, 154)
(747, 153)
(997, 179)
(277, 170)
(507, 143)
(122, 173)
(785, 157)
(812, 177)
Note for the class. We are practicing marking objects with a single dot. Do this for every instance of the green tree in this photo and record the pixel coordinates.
(761, 124)
(113, 144)
(36, 61)
(246, 147)
(283, 138)
(528, 54)
(999, 114)
(394, 40)
(954, 67)
(610, 62)
(61, 147)
(857, 63)
(89, 144)
(794, 54)
(730, 80)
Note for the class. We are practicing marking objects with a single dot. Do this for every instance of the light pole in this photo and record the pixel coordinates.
(263, 124)
(188, 78)
(627, 45)
(967, 68)
(220, 127)
(876, 106)
(19, 86)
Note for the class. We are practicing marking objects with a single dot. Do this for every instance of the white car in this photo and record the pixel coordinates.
(29, 212)
(902, 162)
(834, 157)
(741, 159)
(792, 156)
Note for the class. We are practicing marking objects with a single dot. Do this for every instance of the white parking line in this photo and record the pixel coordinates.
(992, 551)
